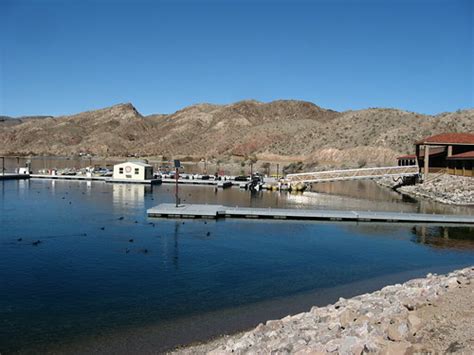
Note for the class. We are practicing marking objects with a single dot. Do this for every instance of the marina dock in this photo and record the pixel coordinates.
(218, 183)
(169, 210)
(95, 178)
(68, 177)
(9, 176)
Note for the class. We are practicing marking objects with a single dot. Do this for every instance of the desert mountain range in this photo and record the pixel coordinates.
(280, 130)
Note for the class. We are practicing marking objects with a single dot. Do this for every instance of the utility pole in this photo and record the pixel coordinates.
(3, 165)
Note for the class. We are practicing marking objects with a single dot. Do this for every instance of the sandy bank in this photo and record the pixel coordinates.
(427, 315)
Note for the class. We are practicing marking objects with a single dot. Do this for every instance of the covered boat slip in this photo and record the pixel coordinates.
(218, 211)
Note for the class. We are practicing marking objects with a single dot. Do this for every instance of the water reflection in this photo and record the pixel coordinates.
(176, 245)
(368, 195)
(130, 194)
(459, 238)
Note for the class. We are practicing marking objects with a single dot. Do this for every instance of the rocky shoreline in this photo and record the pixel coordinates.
(398, 319)
(447, 189)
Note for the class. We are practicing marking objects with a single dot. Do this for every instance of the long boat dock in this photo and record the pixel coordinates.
(10, 176)
(170, 210)
(69, 177)
(218, 183)
(94, 178)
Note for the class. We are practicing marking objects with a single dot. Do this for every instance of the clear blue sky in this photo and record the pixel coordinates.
(62, 57)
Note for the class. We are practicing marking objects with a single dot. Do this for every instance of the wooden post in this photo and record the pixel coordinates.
(176, 187)
(177, 165)
(417, 154)
(427, 160)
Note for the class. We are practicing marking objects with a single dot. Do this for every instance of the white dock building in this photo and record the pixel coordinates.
(133, 171)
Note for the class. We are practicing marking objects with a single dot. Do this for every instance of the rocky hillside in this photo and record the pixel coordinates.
(279, 130)
(12, 121)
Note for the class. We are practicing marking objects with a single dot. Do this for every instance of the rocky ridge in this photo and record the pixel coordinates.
(389, 321)
(268, 131)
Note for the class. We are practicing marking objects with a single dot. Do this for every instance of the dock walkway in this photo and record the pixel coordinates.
(10, 176)
(69, 177)
(218, 211)
(218, 183)
(94, 178)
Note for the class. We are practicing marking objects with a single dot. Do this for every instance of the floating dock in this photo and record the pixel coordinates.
(130, 181)
(95, 178)
(69, 177)
(170, 210)
(8, 176)
(218, 183)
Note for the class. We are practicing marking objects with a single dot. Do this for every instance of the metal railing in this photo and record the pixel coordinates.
(354, 174)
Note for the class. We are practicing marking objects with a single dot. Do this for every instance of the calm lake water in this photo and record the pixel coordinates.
(105, 278)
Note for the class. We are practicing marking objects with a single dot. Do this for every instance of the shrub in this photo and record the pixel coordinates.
(361, 163)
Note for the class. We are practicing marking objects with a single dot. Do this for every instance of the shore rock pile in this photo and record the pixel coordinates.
(447, 189)
(384, 321)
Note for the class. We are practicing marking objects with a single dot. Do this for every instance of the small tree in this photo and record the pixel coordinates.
(252, 159)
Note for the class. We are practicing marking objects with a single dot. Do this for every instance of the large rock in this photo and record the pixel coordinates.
(397, 348)
(347, 317)
(414, 323)
(397, 331)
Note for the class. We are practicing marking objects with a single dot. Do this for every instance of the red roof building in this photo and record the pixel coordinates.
(462, 156)
(448, 139)
(448, 152)
(432, 152)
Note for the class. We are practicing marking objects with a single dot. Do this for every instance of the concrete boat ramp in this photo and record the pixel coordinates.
(218, 211)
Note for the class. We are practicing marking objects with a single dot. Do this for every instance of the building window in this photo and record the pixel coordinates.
(120, 170)
(137, 171)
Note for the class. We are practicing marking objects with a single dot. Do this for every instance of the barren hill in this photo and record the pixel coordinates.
(279, 130)
(11, 121)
